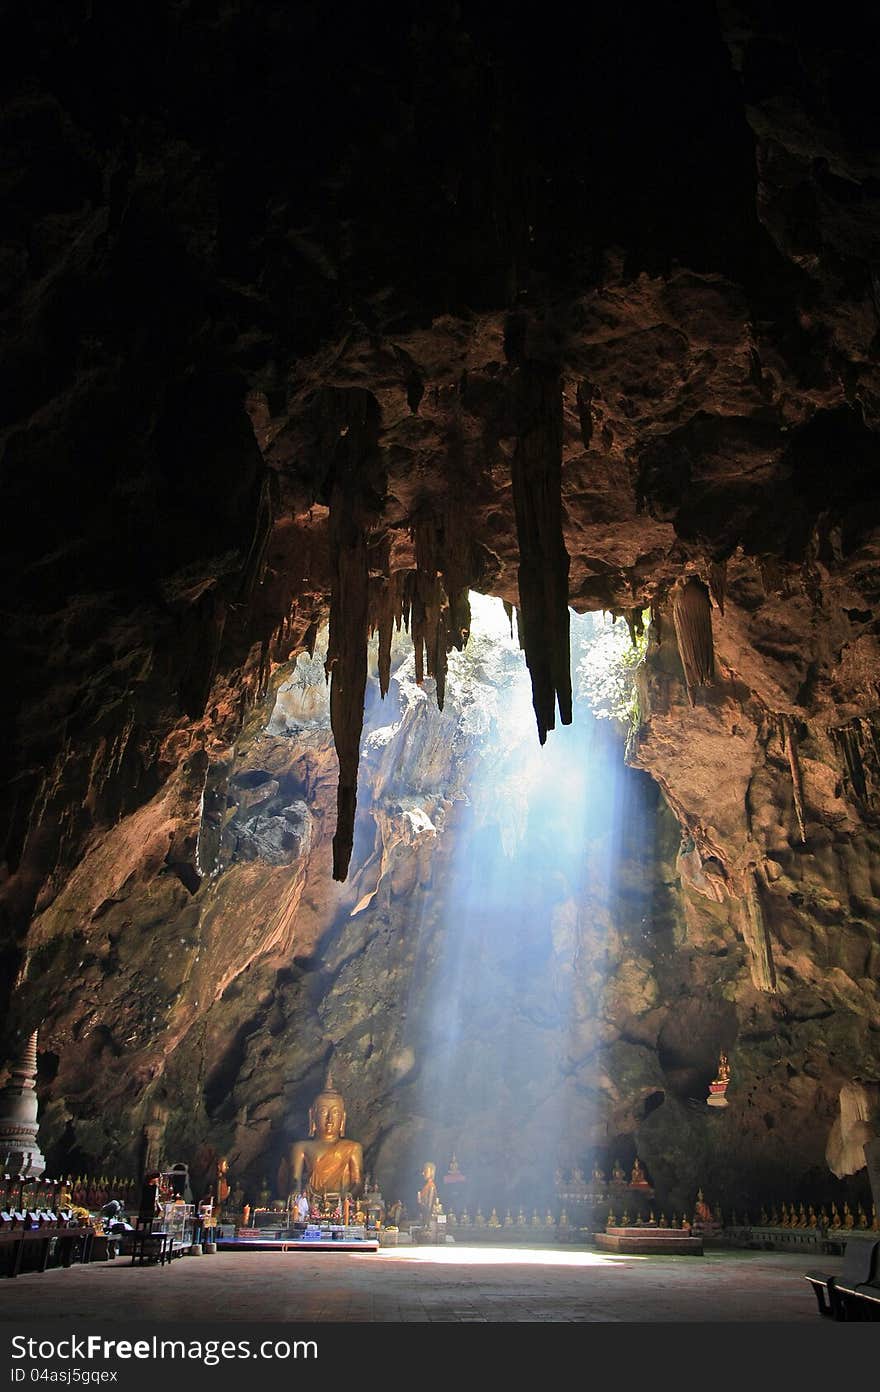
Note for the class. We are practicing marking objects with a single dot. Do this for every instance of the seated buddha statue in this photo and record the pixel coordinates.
(326, 1163)
(638, 1179)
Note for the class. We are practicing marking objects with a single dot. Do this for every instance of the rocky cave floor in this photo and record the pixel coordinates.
(460, 1285)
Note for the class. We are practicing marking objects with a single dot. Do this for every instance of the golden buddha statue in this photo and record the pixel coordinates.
(427, 1195)
(638, 1179)
(333, 1165)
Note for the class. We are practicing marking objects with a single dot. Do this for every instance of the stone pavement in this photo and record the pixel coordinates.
(470, 1284)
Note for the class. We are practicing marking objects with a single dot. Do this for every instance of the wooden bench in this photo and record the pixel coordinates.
(855, 1293)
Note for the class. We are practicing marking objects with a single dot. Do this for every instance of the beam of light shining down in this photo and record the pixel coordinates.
(513, 977)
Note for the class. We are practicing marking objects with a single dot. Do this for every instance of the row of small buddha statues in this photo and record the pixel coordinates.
(549, 1220)
(789, 1216)
(479, 1220)
(575, 1179)
(85, 1191)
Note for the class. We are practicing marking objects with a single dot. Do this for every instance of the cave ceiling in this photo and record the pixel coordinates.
(313, 319)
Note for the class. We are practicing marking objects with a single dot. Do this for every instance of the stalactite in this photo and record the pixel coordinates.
(429, 609)
(692, 616)
(859, 751)
(347, 666)
(254, 565)
(386, 613)
(544, 562)
(790, 739)
(509, 611)
(460, 618)
(757, 937)
(636, 624)
(353, 420)
(718, 583)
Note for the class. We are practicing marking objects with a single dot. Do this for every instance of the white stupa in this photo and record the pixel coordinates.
(19, 1152)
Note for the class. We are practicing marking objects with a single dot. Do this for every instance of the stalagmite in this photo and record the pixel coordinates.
(692, 616)
(543, 559)
(791, 749)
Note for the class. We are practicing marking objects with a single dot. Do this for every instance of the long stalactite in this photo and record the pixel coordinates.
(543, 559)
(352, 415)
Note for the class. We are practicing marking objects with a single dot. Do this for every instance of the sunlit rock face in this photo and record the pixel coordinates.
(493, 980)
(245, 386)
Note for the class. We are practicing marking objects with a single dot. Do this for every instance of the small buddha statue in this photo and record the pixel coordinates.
(494, 1220)
(479, 1220)
(720, 1083)
(598, 1175)
(848, 1220)
(638, 1179)
(508, 1219)
(333, 1165)
(617, 1173)
(453, 1174)
(577, 1176)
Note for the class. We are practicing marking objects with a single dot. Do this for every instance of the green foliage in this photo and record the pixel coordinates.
(606, 671)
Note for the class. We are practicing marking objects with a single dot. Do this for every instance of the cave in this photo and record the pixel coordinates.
(441, 600)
